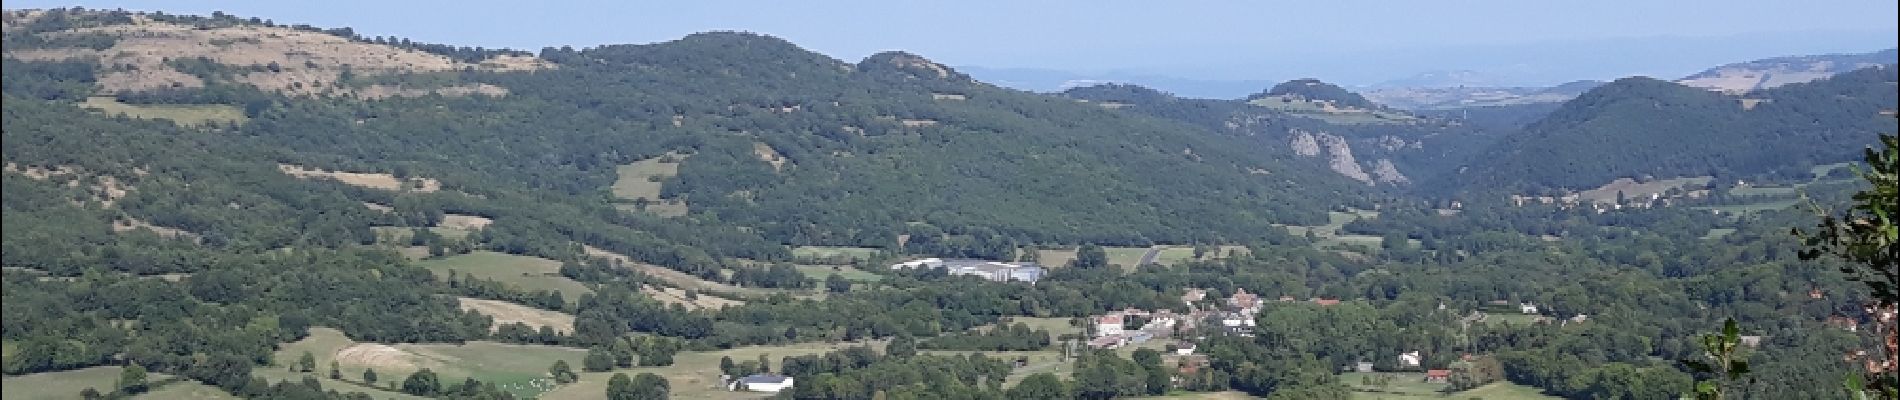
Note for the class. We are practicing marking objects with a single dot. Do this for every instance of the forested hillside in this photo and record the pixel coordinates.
(222, 206)
(1637, 127)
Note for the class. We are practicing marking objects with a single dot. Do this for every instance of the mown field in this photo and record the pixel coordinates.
(837, 253)
(181, 114)
(522, 272)
(519, 369)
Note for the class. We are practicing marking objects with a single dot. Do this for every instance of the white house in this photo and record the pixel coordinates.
(1409, 359)
(1184, 349)
(1527, 308)
(1108, 325)
(772, 383)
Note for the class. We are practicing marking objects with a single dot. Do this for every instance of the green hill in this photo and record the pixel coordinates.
(1646, 127)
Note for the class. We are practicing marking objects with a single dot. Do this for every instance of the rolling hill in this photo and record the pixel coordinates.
(1636, 127)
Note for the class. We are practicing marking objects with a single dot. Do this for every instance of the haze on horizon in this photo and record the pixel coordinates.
(1512, 42)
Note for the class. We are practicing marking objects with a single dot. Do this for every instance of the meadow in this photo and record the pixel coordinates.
(641, 180)
(521, 272)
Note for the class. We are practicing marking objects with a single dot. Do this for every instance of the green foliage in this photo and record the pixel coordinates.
(1722, 363)
(132, 380)
(1613, 132)
(422, 383)
(562, 373)
(1868, 234)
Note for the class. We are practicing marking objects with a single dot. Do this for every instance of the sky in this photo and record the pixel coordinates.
(1357, 42)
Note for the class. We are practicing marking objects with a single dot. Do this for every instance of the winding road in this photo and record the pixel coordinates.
(1149, 257)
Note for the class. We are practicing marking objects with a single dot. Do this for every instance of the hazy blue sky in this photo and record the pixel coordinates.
(1352, 40)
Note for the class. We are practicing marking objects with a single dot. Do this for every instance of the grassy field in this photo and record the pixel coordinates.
(1055, 325)
(695, 375)
(185, 390)
(522, 272)
(520, 369)
(1123, 256)
(641, 180)
(1412, 385)
(181, 114)
(820, 272)
(60, 385)
(834, 252)
(1718, 233)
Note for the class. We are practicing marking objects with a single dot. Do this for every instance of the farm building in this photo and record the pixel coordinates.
(991, 270)
(762, 383)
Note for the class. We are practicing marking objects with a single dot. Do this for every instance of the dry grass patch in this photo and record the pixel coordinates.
(364, 179)
(677, 296)
(308, 63)
(464, 222)
(521, 369)
(507, 313)
(188, 115)
(133, 224)
(1634, 190)
(676, 279)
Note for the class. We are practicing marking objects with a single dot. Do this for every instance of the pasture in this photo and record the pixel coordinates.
(520, 272)
(186, 115)
(834, 254)
(1412, 385)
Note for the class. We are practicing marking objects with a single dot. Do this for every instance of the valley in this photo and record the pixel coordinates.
(216, 206)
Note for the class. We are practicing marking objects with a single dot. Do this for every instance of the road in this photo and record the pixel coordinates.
(1149, 257)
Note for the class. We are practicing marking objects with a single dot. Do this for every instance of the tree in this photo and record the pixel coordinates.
(726, 366)
(646, 385)
(369, 376)
(90, 394)
(422, 383)
(1867, 235)
(307, 362)
(837, 284)
(1721, 363)
(335, 372)
(562, 373)
(620, 387)
(901, 346)
(1041, 386)
(132, 379)
(1090, 256)
(598, 360)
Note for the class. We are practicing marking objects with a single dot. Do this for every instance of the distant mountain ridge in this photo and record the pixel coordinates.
(1770, 73)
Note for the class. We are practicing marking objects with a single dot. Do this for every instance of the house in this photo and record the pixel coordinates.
(1325, 302)
(1527, 308)
(1409, 360)
(1363, 366)
(1108, 342)
(1241, 300)
(1751, 340)
(1108, 325)
(1438, 376)
(772, 383)
(1193, 295)
(1184, 349)
(989, 270)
